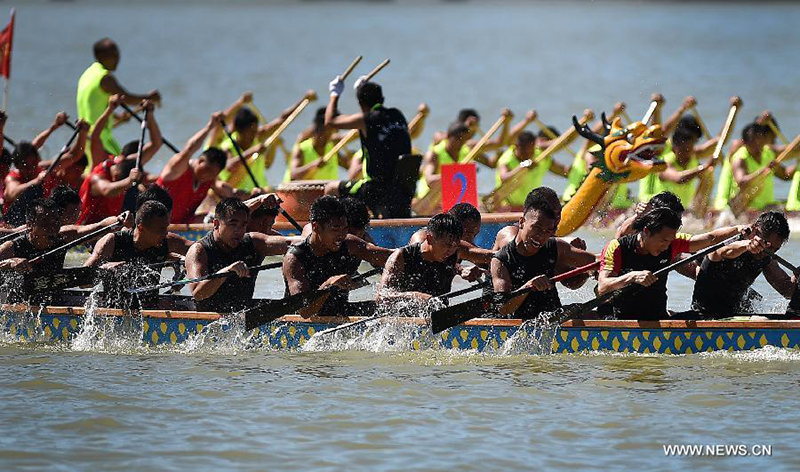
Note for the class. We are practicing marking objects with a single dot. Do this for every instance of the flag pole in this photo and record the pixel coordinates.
(8, 39)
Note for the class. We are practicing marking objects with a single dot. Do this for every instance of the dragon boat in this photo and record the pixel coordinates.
(23, 323)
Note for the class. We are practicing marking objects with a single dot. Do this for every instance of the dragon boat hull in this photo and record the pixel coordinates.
(22, 323)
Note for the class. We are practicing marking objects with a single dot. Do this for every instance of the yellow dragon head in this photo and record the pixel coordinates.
(627, 153)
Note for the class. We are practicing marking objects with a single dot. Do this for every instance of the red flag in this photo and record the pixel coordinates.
(459, 184)
(6, 38)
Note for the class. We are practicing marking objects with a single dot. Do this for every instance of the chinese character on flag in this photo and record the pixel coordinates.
(6, 38)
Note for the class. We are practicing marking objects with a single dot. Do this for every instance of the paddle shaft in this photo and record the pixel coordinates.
(63, 151)
(777, 131)
(783, 262)
(726, 129)
(139, 119)
(648, 115)
(741, 201)
(377, 69)
(13, 235)
(550, 134)
(351, 67)
(141, 141)
(463, 291)
(87, 237)
(218, 275)
(701, 123)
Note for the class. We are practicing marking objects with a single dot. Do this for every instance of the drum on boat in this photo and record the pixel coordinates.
(299, 195)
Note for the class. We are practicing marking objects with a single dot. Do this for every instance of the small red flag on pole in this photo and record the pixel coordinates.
(6, 41)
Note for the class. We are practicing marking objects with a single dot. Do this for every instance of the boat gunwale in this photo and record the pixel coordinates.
(487, 322)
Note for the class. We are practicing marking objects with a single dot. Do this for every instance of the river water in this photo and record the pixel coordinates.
(110, 403)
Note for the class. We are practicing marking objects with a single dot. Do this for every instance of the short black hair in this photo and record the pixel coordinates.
(356, 212)
(457, 129)
(541, 205)
(773, 222)
(5, 157)
(130, 148)
(544, 194)
(445, 224)
(149, 210)
(83, 161)
(543, 134)
(229, 207)
(319, 119)
(526, 137)
(369, 95)
(683, 136)
(656, 219)
(752, 130)
(465, 212)
(689, 124)
(667, 199)
(41, 208)
(155, 193)
(326, 208)
(22, 151)
(216, 157)
(466, 113)
(244, 119)
(102, 47)
(64, 196)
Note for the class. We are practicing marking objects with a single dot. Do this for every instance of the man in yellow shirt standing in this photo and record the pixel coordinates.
(96, 85)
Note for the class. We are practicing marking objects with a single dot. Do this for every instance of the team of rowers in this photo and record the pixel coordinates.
(377, 174)
(335, 243)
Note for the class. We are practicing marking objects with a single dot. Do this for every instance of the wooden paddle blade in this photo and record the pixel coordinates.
(456, 314)
(513, 304)
(66, 278)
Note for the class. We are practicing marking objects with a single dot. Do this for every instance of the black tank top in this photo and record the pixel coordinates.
(524, 268)
(644, 303)
(721, 286)
(385, 140)
(236, 292)
(320, 269)
(24, 249)
(419, 275)
(125, 250)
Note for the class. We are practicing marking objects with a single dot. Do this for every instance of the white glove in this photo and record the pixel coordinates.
(359, 82)
(336, 86)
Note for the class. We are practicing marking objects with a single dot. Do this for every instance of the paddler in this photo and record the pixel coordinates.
(530, 260)
(726, 274)
(95, 87)
(525, 148)
(44, 233)
(426, 269)
(329, 257)
(188, 181)
(30, 170)
(263, 211)
(251, 140)
(103, 191)
(357, 216)
(228, 247)
(307, 156)
(755, 154)
(632, 259)
(384, 140)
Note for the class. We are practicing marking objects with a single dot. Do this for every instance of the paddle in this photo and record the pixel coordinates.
(794, 270)
(9, 140)
(550, 134)
(75, 242)
(16, 212)
(494, 200)
(270, 310)
(741, 201)
(13, 235)
(431, 202)
(655, 103)
(139, 119)
(445, 296)
(64, 278)
(706, 179)
(129, 201)
(701, 123)
(456, 314)
(351, 67)
(218, 275)
(580, 308)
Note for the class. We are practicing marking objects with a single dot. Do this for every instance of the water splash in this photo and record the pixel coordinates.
(108, 334)
(534, 336)
(225, 336)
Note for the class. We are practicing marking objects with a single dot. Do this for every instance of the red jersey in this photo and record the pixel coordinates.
(186, 197)
(93, 208)
(49, 183)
